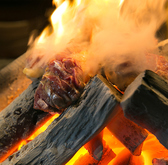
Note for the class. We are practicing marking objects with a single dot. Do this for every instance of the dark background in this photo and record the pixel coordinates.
(18, 19)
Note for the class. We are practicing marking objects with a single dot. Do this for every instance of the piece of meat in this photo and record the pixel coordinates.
(61, 85)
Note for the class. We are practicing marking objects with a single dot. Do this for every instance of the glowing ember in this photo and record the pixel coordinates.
(150, 147)
(38, 131)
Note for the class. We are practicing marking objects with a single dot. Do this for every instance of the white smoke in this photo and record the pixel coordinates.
(108, 32)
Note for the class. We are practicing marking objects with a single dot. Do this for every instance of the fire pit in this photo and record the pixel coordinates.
(120, 105)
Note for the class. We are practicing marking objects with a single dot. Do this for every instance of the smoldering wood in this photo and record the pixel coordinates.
(72, 129)
(87, 159)
(160, 161)
(145, 102)
(127, 132)
(19, 120)
(95, 146)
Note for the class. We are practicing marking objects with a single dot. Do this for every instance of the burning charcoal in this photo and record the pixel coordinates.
(127, 132)
(73, 128)
(19, 120)
(122, 158)
(160, 161)
(87, 159)
(95, 147)
(136, 160)
(61, 85)
(145, 102)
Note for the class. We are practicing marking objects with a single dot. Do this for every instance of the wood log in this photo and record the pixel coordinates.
(123, 157)
(160, 161)
(87, 159)
(145, 102)
(95, 146)
(19, 120)
(12, 81)
(12, 71)
(72, 129)
(127, 132)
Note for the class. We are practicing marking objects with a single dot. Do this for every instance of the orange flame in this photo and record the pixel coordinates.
(38, 131)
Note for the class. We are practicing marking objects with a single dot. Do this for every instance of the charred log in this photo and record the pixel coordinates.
(19, 120)
(73, 128)
(95, 146)
(127, 132)
(87, 159)
(145, 102)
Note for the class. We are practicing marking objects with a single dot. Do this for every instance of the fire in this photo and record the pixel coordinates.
(68, 26)
(56, 18)
(150, 147)
(121, 2)
(38, 131)
(59, 19)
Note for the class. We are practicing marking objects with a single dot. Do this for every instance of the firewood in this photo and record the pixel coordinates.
(95, 146)
(87, 159)
(11, 72)
(160, 161)
(145, 102)
(72, 129)
(122, 158)
(19, 120)
(12, 81)
(127, 132)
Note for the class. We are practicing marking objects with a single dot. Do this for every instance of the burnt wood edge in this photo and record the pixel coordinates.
(19, 119)
(72, 129)
(145, 102)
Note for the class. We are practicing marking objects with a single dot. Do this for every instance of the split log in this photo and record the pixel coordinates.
(160, 161)
(19, 120)
(145, 102)
(72, 129)
(127, 132)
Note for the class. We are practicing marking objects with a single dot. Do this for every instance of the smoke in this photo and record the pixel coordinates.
(108, 33)
(126, 33)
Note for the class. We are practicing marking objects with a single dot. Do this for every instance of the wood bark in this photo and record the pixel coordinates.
(72, 129)
(145, 102)
(19, 120)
